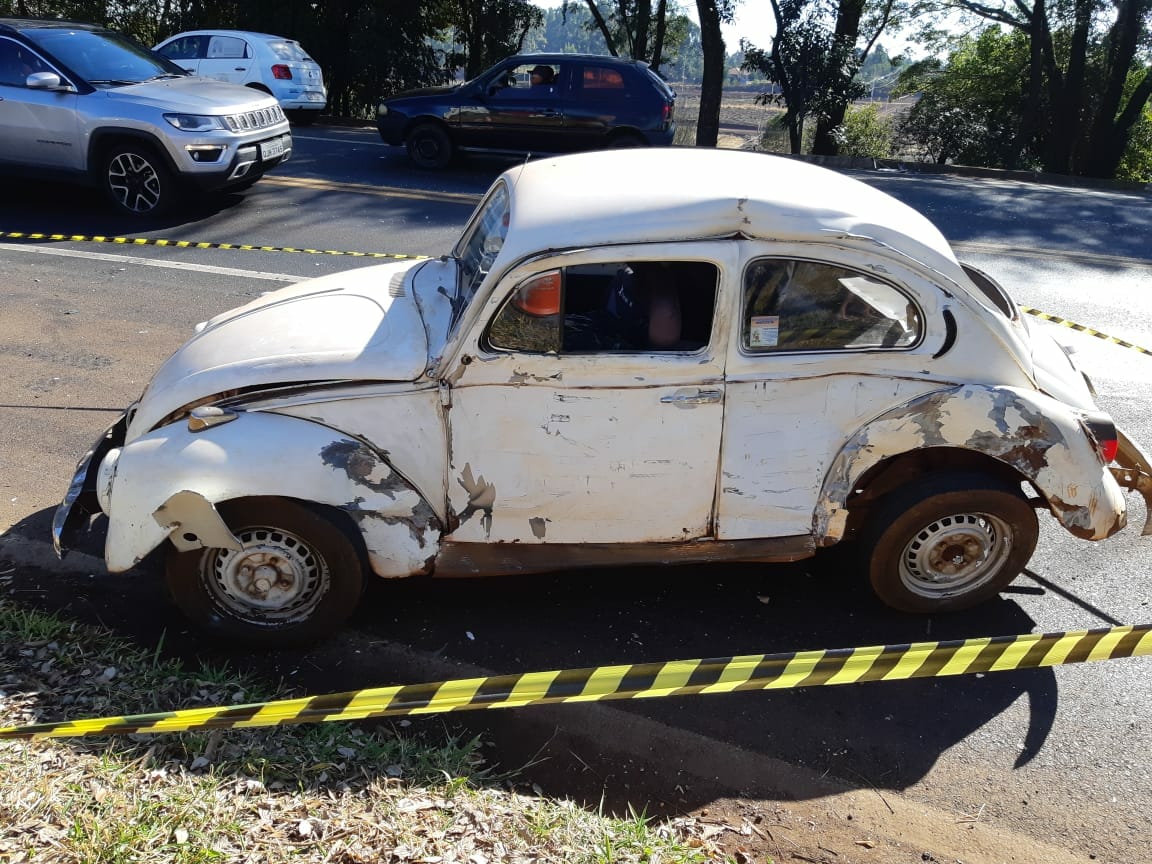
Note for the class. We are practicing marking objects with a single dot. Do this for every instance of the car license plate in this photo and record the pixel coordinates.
(271, 149)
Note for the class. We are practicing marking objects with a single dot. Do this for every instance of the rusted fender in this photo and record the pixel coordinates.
(169, 480)
(1038, 436)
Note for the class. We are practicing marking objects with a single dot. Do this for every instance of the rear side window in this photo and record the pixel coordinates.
(796, 305)
(602, 83)
(227, 48)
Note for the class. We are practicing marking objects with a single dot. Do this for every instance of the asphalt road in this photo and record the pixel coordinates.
(1061, 755)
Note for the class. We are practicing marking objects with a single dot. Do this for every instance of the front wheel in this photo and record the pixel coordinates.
(296, 580)
(948, 543)
(137, 180)
(429, 146)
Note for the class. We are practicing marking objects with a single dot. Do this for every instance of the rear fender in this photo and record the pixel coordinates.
(165, 485)
(1041, 438)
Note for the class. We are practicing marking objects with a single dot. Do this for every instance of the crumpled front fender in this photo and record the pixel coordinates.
(1042, 438)
(167, 483)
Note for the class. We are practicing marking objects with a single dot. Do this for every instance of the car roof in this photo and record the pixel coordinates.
(687, 193)
(250, 34)
(561, 57)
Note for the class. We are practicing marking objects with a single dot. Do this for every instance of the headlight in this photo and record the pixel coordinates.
(194, 122)
(381, 110)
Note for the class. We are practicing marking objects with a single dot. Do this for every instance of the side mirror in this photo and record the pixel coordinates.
(540, 295)
(45, 81)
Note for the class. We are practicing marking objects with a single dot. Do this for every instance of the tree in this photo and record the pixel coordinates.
(1081, 54)
(807, 62)
(712, 14)
(971, 108)
(845, 39)
(490, 30)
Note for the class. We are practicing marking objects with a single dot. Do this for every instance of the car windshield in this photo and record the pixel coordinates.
(103, 58)
(480, 245)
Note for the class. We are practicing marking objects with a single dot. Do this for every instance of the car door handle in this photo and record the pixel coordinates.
(240, 69)
(549, 112)
(700, 397)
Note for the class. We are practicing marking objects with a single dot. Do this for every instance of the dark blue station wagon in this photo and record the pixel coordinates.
(534, 103)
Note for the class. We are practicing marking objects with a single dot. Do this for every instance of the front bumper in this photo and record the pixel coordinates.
(1133, 472)
(81, 501)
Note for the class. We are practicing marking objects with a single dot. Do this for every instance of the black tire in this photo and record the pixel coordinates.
(429, 146)
(626, 140)
(319, 576)
(949, 543)
(137, 180)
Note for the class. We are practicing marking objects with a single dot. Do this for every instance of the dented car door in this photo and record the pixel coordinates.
(565, 429)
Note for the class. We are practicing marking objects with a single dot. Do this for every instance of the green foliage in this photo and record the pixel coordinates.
(970, 108)
(814, 70)
(1136, 165)
(865, 132)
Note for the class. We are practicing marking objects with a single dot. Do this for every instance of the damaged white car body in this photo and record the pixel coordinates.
(630, 357)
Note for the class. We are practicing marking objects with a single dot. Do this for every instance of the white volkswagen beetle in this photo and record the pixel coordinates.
(629, 357)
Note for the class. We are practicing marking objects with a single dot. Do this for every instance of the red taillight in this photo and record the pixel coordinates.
(1108, 450)
(667, 113)
(281, 72)
(1103, 435)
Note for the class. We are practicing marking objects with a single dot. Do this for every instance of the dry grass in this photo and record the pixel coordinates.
(341, 793)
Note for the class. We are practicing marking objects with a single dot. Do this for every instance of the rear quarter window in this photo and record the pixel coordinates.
(798, 305)
(602, 83)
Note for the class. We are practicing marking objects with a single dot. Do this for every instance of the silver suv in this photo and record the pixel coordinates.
(85, 102)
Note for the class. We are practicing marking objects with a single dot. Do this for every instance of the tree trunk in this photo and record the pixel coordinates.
(602, 26)
(1111, 126)
(712, 84)
(847, 33)
(1066, 115)
(658, 42)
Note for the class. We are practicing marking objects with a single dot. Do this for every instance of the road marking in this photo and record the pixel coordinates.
(151, 262)
(467, 198)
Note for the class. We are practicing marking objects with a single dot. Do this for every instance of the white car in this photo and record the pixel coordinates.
(659, 356)
(273, 64)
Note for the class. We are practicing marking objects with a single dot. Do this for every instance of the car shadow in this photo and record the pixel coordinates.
(884, 735)
(51, 207)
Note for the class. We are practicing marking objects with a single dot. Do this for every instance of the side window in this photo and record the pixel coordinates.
(795, 305)
(184, 48)
(18, 62)
(602, 83)
(227, 48)
(526, 81)
(638, 306)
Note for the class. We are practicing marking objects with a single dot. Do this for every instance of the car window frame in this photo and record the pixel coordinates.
(861, 269)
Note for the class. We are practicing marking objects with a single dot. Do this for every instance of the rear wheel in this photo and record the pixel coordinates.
(948, 543)
(296, 580)
(626, 140)
(137, 180)
(429, 146)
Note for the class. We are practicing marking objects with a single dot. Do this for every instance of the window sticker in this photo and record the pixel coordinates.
(765, 331)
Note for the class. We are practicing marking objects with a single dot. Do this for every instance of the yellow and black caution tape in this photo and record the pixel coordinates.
(192, 244)
(640, 681)
(1080, 328)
